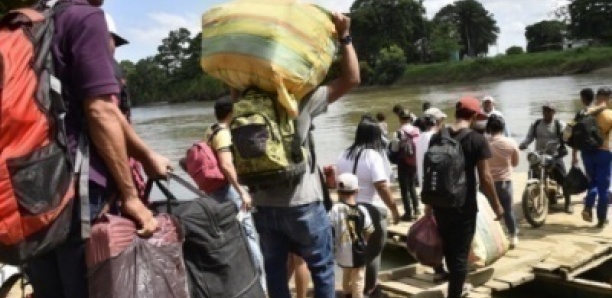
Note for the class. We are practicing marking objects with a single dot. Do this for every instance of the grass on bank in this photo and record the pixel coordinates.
(576, 61)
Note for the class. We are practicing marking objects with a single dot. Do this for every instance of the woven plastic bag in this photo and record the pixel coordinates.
(280, 46)
(424, 242)
(490, 242)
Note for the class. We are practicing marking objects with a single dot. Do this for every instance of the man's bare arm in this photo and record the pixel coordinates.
(350, 76)
(104, 121)
(226, 164)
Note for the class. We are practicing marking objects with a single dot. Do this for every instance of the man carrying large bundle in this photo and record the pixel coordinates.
(272, 157)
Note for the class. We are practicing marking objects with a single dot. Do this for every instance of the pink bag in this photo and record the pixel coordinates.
(122, 265)
(202, 165)
(424, 242)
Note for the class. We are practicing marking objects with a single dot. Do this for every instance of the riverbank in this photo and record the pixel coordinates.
(579, 61)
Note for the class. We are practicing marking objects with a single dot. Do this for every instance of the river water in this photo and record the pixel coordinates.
(171, 129)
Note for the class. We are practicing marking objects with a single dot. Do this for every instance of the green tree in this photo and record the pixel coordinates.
(173, 51)
(444, 41)
(390, 65)
(378, 24)
(476, 26)
(545, 36)
(591, 19)
(515, 50)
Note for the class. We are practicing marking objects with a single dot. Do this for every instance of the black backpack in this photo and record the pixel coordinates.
(585, 133)
(217, 256)
(444, 178)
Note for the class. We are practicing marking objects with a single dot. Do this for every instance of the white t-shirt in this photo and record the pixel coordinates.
(372, 167)
(422, 145)
(344, 219)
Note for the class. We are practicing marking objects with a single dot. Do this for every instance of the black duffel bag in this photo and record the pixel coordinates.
(216, 252)
(576, 182)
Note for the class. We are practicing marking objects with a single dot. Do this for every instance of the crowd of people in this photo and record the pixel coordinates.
(287, 225)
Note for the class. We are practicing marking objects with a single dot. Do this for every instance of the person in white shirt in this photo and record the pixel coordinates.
(365, 159)
(488, 108)
(430, 128)
(352, 226)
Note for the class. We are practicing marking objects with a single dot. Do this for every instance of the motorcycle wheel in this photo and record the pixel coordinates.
(8, 285)
(535, 205)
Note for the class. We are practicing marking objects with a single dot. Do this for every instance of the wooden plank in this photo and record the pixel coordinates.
(497, 286)
(395, 274)
(400, 288)
(482, 290)
(478, 295)
(546, 267)
(516, 279)
(417, 283)
(588, 266)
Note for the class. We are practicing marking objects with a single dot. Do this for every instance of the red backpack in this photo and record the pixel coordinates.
(202, 165)
(36, 172)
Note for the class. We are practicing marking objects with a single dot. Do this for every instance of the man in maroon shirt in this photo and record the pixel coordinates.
(84, 65)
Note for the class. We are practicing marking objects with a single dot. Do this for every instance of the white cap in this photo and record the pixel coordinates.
(112, 28)
(348, 182)
(436, 113)
(488, 98)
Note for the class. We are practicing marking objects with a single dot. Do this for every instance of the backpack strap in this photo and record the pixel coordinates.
(216, 128)
(81, 171)
(464, 133)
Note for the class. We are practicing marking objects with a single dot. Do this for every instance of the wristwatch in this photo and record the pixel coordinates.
(346, 40)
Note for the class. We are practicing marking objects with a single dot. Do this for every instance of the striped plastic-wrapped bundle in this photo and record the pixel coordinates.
(281, 46)
(490, 242)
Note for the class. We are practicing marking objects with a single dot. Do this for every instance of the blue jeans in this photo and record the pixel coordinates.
(229, 193)
(505, 192)
(303, 230)
(62, 273)
(597, 165)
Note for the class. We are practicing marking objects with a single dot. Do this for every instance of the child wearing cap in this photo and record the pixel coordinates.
(352, 225)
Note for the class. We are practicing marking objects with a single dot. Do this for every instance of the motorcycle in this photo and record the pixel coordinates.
(541, 190)
(9, 277)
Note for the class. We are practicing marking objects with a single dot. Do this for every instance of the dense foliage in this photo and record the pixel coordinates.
(476, 26)
(590, 19)
(173, 74)
(545, 36)
(514, 50)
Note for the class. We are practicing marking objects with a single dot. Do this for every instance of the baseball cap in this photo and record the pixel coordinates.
(549, 105)
(488, 98)
(472, 104)
(348, 182)
(112, 28)
(436, 113)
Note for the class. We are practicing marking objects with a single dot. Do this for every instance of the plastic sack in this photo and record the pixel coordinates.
(424, 242)
(282, 46)
(575, 182)
(122, 265)
(490, 242)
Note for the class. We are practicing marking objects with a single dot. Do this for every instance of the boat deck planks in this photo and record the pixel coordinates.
(560, 250)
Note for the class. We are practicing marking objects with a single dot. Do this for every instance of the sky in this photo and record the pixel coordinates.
(146, 22)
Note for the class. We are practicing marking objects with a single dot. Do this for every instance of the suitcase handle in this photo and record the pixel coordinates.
(167, 193)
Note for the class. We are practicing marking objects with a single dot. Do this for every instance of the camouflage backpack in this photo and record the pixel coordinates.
(267, 147)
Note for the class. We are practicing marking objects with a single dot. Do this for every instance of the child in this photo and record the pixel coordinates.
(352, 226)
